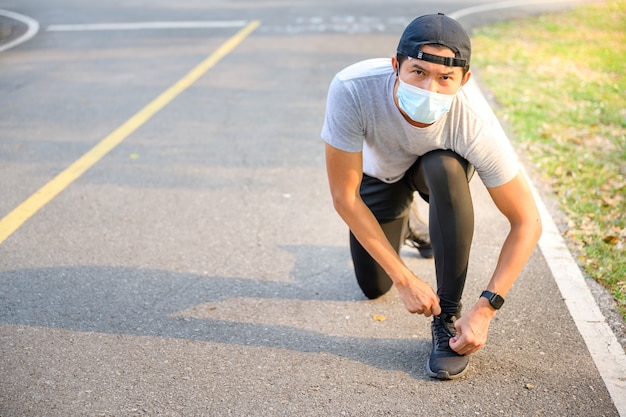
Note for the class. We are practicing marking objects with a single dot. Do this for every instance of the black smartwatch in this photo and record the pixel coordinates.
(494, 298)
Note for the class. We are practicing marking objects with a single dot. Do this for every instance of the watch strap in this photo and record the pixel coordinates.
(495, 299)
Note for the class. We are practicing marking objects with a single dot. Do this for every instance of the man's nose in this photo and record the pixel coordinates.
(431, 85)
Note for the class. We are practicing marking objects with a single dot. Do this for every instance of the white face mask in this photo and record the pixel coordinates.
(421, 105)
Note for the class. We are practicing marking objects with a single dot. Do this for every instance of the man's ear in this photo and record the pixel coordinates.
(466, 78)
(395, 65)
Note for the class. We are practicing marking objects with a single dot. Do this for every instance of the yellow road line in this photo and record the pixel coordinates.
(16, 218)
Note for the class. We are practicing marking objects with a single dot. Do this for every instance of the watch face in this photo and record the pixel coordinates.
(495, 299)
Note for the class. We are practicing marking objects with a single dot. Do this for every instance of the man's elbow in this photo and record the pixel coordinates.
(531, 228)
(343, 204)
(339, 203)
(538, 228)
(535, 228)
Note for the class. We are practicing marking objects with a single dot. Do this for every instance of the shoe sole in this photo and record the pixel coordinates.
(445, 375)
(426, 253)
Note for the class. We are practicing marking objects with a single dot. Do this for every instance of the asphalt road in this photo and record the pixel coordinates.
(198, 267)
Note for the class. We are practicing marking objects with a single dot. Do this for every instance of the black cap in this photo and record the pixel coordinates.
(436, 29)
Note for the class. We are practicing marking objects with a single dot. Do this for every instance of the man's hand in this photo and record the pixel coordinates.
(472, 328)
(418, 297)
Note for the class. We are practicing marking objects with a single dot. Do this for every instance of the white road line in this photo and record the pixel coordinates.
(606, 351)
(147, 25)
(31, 24)
(503, 5)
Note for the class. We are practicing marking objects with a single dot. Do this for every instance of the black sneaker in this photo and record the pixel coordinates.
(423, 246)
(444, 363)
(417, 234)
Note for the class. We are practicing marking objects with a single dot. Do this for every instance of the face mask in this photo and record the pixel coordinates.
(422, 106)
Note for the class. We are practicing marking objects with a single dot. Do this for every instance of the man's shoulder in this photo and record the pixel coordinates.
(365, 69)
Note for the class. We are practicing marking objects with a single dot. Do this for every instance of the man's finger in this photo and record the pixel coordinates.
(436, 309)
(455, 345)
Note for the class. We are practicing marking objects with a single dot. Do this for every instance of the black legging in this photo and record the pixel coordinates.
(441, 177)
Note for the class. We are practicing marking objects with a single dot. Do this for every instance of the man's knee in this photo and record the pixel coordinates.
(370, 276)
(372, 279)
(374, 286)
(447, 163)
(439, 169)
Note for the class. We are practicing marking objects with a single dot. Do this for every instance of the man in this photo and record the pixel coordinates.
(403, 125)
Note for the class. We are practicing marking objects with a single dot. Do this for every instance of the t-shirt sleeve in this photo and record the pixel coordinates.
(498, 161)
(343, 125)
(490, 151)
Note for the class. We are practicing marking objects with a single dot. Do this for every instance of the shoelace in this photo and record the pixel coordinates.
(443, 333)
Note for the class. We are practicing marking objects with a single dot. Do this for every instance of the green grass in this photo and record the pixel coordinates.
(560, 84)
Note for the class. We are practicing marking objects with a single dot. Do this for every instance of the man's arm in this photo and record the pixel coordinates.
(345, 170)
(514, 199)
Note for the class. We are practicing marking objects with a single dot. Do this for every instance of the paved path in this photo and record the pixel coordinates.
(197, 267)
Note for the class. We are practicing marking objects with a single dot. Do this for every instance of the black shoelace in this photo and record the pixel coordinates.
(442, 333)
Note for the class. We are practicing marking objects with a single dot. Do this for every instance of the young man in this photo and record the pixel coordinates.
(403, 125)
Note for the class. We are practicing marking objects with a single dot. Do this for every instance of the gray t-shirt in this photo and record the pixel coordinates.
(361, 115)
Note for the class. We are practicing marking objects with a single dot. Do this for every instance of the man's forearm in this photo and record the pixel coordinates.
(370, 235)
(516, 250)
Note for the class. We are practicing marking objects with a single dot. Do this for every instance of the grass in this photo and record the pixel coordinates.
(560, 84)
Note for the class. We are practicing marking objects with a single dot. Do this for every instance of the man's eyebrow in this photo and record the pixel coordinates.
(448, 71)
